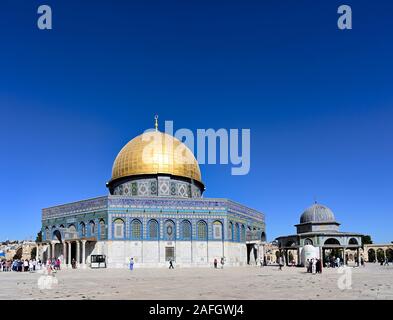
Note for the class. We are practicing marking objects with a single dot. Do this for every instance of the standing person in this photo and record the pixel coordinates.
(314, 266)
(31, 265)
(215, 263)
(319, 266)
(171, 264)
(222, 263)
(280, 263)
(26, 265)
(73, 263)
(58, 263)
(362, 261)
(338, 262)
(132, 264)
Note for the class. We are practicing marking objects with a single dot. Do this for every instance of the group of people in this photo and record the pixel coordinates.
(333, 262)
(384, 262)
(222, 262)
(30, 265)
(314, 266)
(20, 265)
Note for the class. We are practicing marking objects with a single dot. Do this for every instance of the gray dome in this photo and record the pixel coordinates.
(317, 213)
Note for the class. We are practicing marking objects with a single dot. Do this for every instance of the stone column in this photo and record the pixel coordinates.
(78, 249)
(359, 258)
(37, 256)
(64, 253)
(48, 251)
(53, 250)
(262, 254)
(344, 260)
(83, 253)
(69, 254)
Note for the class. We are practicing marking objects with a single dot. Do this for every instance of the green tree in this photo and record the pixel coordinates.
(39, 237)
(389, 255)
(366, 240)
(380, 255)
(33, 253)
(371, 255)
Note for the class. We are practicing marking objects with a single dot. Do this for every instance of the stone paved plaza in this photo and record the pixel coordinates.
(372, 282)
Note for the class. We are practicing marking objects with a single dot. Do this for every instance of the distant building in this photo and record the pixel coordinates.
(319, 228)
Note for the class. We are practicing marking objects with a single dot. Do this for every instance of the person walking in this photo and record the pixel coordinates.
(132, 264)
(171, 264)
(222, 263)
(215, 263)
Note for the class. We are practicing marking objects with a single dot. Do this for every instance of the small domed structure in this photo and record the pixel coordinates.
(317, 213)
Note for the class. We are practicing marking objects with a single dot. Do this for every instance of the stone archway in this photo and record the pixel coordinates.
(371, 255)
(56, 235)
(333, 241)
(380, 255)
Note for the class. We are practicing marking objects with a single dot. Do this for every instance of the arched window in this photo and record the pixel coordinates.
(202, 231)
(217, 230)
(82, 228)
(308, 242)
(153, 230)
(237, 231)
(186, 230)
(230, 231)
(353, 241)
(102, 229)
(332, 241)
(136, 230)
(243, 234)
(92, 228)
(169, 230)
(119, 229)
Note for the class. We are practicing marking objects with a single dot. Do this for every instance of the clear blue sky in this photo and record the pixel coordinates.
(318, 101)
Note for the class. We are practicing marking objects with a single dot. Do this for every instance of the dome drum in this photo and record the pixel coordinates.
(156, 185)
(317, 218)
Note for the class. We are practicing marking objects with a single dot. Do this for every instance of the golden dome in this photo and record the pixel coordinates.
(156, 152)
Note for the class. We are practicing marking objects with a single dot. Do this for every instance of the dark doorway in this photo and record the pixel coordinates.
(251, 252)
(73, 251)
(169, 254)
